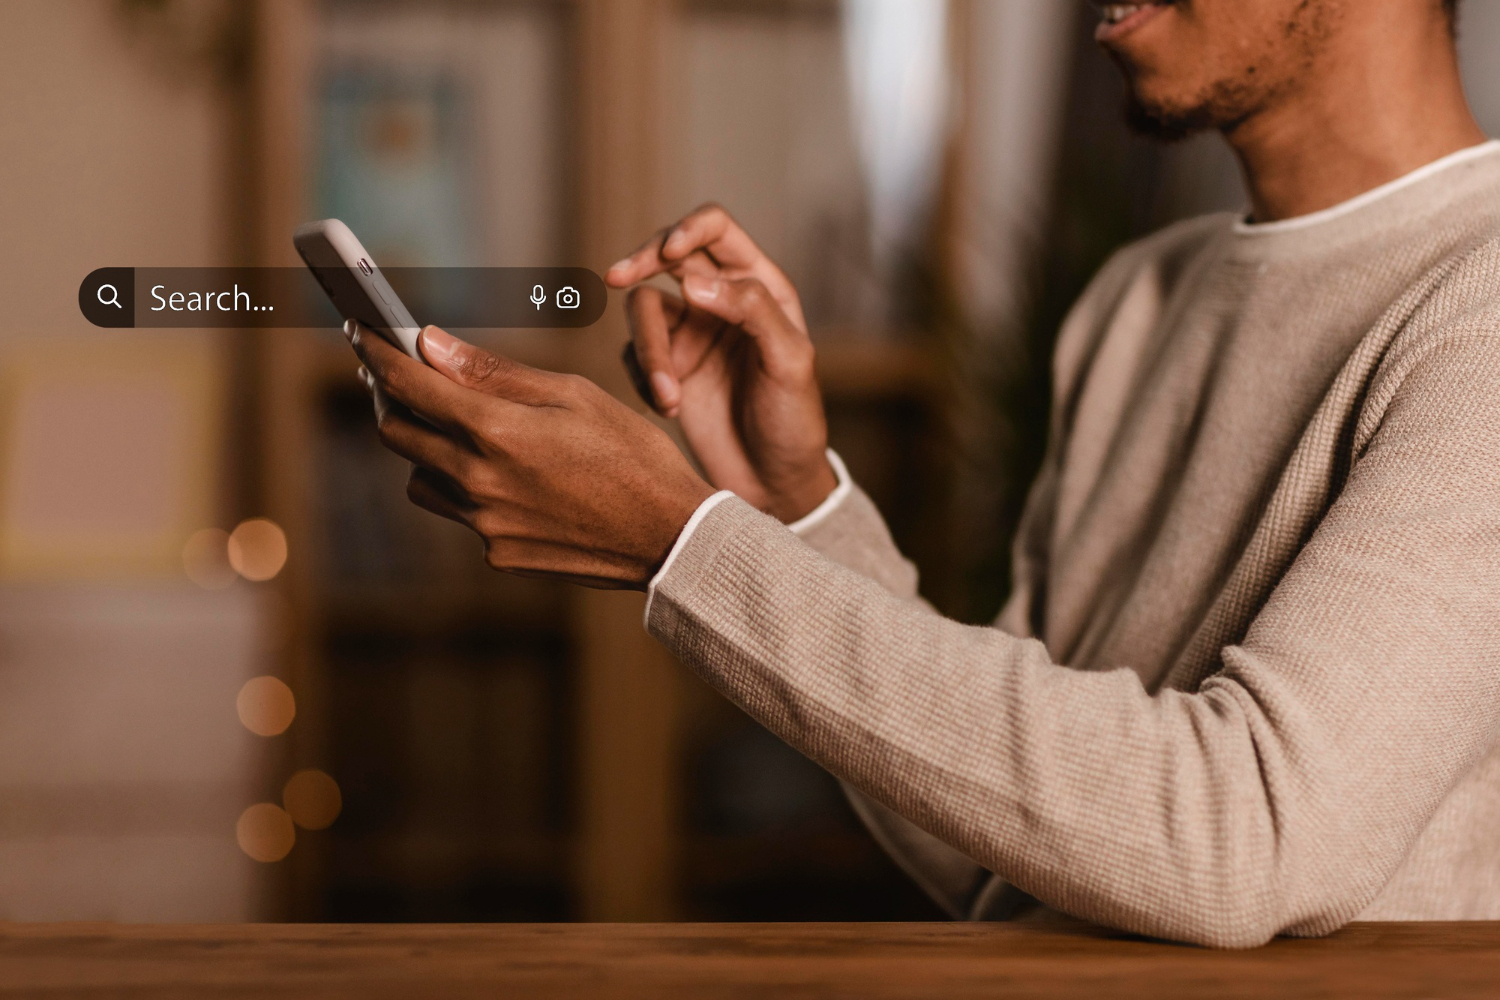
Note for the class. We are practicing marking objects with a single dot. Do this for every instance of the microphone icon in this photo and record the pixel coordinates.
(538, 297)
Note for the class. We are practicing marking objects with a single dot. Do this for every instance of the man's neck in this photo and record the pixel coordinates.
(1358, 127)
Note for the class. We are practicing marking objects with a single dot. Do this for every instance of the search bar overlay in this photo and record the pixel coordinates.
(456, 298)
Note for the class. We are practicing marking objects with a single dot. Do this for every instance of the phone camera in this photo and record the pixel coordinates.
(568, 298)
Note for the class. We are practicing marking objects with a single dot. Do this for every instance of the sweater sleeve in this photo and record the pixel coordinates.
(852, 533)
(1279, 797)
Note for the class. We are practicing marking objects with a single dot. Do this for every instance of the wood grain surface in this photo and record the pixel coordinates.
(710, 961)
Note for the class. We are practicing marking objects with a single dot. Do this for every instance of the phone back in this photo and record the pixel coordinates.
(354, 284)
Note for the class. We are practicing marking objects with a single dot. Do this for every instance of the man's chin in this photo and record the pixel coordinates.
(1220, 110)
(1161, 124)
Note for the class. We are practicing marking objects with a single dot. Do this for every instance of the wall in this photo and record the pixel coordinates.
(123, 766)
(1478, 41)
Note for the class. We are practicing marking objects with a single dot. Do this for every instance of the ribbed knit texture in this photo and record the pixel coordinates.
(1249, 679)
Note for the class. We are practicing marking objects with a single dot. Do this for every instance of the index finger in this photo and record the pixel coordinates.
(709, 229)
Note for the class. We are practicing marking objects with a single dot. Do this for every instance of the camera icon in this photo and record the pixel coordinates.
(568, 297)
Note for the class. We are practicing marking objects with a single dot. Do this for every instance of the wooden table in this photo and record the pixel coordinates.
(709, 961)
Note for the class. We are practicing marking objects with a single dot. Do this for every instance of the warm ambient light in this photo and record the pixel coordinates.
(266, 706)
(257, 549)
(265, 832)
(312, 798)
(205, 559)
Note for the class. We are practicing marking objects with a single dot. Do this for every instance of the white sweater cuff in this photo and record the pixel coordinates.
(828, 506)
(831, 504)
(682, 539)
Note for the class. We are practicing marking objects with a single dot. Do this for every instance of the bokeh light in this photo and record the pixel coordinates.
(257, 549)
(205, 559)
(265, 832)
(313, 799)
(266, 706)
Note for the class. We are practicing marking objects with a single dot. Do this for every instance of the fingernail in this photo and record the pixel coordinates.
(439, 345)
(696, 286)
(675, 241)
(349, 326)
(620, 265)
(666, 389)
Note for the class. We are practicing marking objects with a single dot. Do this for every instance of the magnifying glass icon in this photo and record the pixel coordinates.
(113, 299)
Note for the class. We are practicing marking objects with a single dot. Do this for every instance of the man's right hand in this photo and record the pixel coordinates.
(732, 361)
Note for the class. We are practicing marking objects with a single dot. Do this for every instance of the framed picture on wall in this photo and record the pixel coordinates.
(391, 162)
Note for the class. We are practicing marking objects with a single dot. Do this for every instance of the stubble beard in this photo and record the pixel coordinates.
(1222, 108)
(1227, 103)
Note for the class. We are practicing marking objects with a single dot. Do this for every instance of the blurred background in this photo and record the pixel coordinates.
(241, 678)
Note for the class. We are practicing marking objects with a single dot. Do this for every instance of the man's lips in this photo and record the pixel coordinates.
(1120, 19)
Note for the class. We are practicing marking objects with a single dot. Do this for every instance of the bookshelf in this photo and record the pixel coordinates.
(516, 749)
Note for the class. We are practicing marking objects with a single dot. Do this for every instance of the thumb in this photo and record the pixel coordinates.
(492, 374)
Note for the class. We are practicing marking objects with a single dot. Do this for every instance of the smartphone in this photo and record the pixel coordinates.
(354, 284)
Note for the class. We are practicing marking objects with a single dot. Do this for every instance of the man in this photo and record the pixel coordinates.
(1249, 679)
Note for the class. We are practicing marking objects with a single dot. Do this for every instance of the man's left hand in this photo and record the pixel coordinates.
(557, 477)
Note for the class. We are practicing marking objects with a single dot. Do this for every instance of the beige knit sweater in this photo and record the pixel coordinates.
(1249, 680)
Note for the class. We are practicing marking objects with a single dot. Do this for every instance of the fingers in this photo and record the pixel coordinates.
(382, 402)
(747, 304)
(419, 443)
(651, 337)
(709, 229)
(640, 265)
(708, 243)
(409, 382)
(492, 374)
(433, 492)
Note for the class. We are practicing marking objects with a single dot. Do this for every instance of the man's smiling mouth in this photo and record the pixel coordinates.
(1118, 19)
